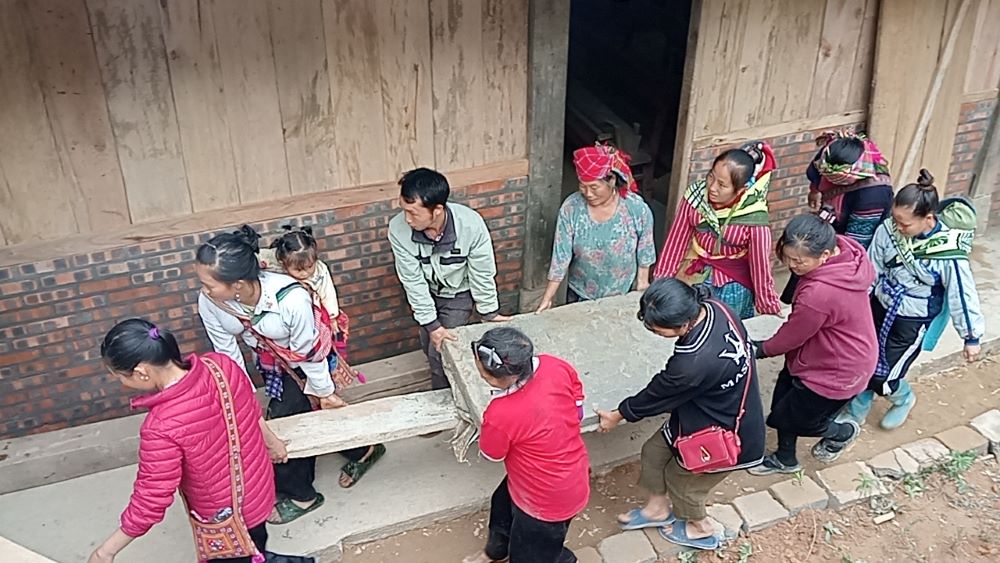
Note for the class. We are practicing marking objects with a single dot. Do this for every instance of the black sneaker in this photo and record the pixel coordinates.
(771, 465)
(829, 451)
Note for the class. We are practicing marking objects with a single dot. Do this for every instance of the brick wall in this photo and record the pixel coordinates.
(789, 186)
(54, 313)
(973, 122)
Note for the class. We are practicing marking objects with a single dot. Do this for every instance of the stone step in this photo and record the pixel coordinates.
(55, 456)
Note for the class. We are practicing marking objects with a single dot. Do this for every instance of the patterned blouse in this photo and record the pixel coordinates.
(602, 259)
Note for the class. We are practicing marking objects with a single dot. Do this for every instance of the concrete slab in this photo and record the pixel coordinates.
(964, 439)
(759, 510)
(894, 464)
(988, 424)
(627, 547)
(12, 552)
(927, 452)
(848, 483)
(797, 495)
(66, 520)
(588, 555)
(727, 517)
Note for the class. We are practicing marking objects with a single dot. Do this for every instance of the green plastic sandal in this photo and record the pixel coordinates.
(357, 469)
(289, 511)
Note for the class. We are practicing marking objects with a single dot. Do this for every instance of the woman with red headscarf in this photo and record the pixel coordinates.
(721, 235)
(604, 232)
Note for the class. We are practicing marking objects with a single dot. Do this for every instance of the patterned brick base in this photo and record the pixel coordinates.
(55, 312)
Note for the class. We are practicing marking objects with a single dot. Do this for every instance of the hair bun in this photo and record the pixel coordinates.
(249, 236)
(702, 292)
(925, 179)
(307, 229)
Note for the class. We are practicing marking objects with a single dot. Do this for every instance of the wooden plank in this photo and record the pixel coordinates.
(404, 47)
(36, 201)
(836, 60)
(304, 94)
(788, 76)
(244, 39)
(199, 94)
(721, 31)
(943, 112)
(859, 94)
(765, 131)
(359, 144)
(984, 66)
(761, 19)
(10, 551)
(505, 74)
(382, 420)
(212, 220)
(63, 53)
(398, 375)
(459, 92)
(133, 64)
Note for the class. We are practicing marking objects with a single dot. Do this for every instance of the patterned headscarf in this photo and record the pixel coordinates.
(869, 165)
(599, 161)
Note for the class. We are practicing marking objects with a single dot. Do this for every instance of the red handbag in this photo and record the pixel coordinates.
(715, 448)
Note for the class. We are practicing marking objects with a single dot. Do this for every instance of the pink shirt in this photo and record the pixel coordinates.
(535, 431)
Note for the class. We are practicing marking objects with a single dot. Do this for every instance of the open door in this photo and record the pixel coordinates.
(921, 62)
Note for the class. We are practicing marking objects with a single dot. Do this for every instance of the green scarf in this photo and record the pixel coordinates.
(751, 209)
(952, 243)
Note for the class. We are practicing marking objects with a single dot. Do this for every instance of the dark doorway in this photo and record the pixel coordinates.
(625, 68)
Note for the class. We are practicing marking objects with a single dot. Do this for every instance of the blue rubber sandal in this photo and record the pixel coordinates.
(678, 535)
(636, 521)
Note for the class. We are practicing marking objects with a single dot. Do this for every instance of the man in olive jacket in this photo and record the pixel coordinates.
(444, 259)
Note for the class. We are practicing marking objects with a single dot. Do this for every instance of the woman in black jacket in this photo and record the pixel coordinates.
(710, 375)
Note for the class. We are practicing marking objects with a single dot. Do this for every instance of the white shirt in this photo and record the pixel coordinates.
(289, 323)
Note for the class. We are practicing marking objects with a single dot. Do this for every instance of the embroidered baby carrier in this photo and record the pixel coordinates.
(273, 358)
(953, 243)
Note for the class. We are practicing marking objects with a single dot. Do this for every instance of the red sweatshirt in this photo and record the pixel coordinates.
(829, 339)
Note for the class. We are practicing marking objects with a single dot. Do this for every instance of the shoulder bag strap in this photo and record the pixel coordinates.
(746, 387)
(232, 435)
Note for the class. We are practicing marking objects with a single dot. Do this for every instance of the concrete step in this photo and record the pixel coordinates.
(50, 457)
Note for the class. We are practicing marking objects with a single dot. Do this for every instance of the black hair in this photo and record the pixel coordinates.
(671, 303)
(506, 352)
(808, 233)
(428, 186)
(232, 256)
(845, 150)
(136, 341)
(920, 197)
(296, 248)
(741, 166)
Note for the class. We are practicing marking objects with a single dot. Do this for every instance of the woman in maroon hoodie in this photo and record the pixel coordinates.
(829, 346)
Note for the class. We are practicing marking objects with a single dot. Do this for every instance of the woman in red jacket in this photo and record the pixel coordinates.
(182, 441)
(828, 342)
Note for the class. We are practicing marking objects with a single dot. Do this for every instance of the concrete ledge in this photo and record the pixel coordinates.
(11, 552)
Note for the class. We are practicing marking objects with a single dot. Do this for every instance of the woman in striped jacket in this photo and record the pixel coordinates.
(721, 235)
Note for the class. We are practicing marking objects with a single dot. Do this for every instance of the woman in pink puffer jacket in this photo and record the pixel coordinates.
(183, 440)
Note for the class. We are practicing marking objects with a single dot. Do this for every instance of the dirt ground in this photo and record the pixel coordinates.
(941, 524)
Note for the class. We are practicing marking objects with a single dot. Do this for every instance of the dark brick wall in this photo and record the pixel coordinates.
(789, 186)
(54, 313)
(973, 122)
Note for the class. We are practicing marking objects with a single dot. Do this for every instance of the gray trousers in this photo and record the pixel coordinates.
(452, 313)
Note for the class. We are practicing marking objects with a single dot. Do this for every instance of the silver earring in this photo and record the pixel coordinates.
(237, 296)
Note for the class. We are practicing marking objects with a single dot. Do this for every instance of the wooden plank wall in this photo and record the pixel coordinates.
(118, 112)
(983, 76)
(765, 63)
(901, 90)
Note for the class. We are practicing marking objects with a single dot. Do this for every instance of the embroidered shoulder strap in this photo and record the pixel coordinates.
(232, 436)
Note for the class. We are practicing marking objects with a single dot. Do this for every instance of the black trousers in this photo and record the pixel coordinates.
(294, 478)
(452, 313)
(797, 411)
(523, 538)
(905, 341)
(259, 536)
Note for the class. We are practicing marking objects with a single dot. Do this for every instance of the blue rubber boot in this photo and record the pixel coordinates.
(902, 403)
(859, 407)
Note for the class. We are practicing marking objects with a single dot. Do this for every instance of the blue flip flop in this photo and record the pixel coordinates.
(678, 535)
(636, 521)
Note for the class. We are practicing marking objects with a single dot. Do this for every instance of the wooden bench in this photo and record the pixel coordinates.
(371, 422)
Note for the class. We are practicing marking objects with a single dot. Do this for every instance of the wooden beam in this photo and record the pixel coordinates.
(980, 96)
(382, 420)
(766, 131)
(222, 218)
(548, 44)
(986, 178)
(10, 551)
(686, 118)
